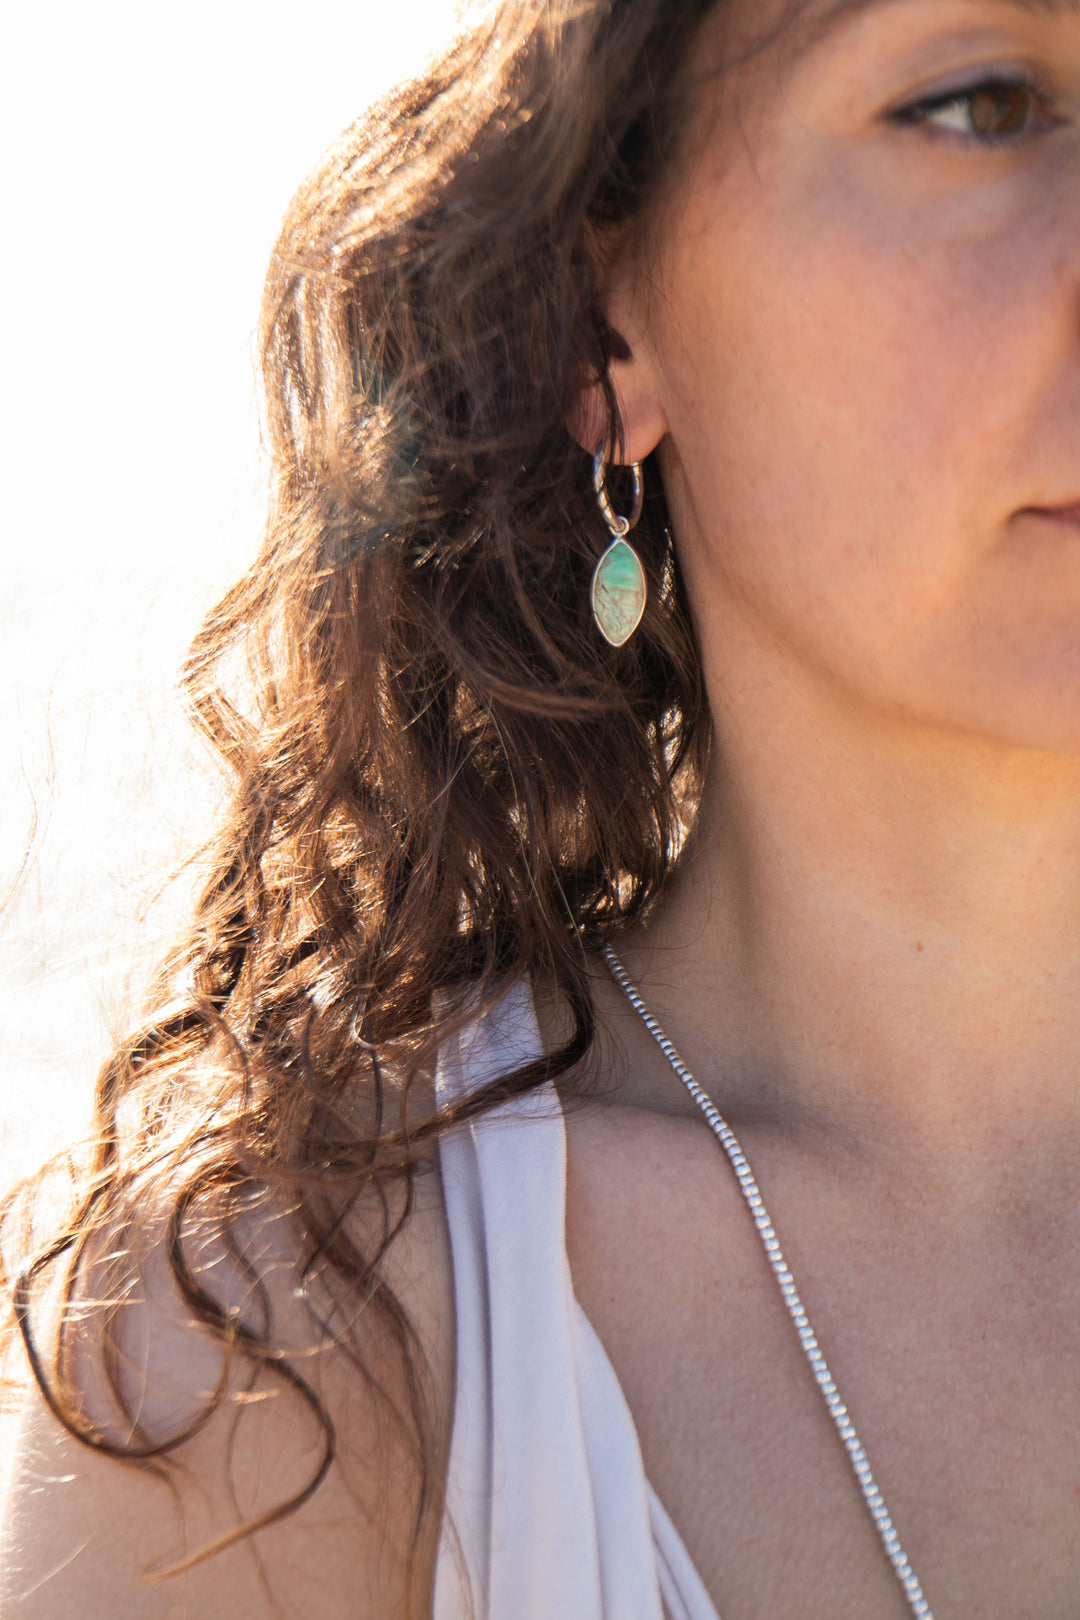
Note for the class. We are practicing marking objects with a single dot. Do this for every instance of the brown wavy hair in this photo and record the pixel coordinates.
(443, 778)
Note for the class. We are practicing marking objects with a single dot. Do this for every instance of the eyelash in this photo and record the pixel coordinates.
(918, 114)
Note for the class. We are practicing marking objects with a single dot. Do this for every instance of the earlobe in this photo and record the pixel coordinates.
(641, 412)
(644, 420)
(630, 368)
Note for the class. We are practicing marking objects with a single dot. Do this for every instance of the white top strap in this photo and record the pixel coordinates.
(548, 1508)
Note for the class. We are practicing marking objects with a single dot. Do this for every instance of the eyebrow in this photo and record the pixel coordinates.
(832, 17)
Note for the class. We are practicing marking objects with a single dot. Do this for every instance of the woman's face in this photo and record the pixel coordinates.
(859, 336)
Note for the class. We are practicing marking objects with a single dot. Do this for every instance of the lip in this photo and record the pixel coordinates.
(1057, 514)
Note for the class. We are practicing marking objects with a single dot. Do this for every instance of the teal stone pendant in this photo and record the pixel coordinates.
(618, 593)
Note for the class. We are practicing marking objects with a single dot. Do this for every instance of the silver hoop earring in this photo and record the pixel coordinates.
(618, 584)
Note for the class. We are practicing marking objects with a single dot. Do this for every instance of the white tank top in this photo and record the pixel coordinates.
(549, 1513)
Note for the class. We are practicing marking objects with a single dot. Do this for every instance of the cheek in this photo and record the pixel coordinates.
(853, 388)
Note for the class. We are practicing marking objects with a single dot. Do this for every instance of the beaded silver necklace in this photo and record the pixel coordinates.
(781, 1271)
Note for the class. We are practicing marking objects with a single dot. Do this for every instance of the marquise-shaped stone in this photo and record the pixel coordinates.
(618, 593)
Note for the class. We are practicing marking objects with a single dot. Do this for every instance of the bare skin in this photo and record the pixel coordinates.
(854, 338)
(82, 1534)
(857, 347)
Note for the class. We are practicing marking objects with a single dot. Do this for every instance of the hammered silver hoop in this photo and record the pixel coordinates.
(620, 526)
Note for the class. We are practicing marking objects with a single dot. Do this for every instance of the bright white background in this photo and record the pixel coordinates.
(148, 153)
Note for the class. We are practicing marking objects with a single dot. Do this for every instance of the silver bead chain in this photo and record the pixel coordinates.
(818, 1366)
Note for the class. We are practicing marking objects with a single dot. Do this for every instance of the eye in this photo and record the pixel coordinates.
(996, 111)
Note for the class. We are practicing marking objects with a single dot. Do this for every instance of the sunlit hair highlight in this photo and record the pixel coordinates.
(443, 778)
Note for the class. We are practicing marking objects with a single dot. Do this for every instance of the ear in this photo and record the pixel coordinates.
(633, 374)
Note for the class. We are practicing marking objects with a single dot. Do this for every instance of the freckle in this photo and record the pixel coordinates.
(918, 944)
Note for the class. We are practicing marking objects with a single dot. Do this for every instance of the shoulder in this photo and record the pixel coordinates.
(83, 1533)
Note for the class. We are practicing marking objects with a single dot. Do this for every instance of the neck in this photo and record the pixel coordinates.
(878, 929)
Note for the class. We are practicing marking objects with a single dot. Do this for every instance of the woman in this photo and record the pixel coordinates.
(816, 269)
